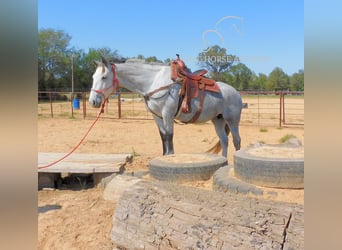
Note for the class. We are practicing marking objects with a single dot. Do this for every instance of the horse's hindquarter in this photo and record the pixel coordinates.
(231, 97)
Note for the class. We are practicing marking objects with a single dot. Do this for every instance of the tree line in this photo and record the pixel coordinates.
(58, 62)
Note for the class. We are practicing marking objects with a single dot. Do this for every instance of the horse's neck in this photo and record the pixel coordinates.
(143, 78)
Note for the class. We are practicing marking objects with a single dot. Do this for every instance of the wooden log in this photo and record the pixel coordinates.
(161, 215)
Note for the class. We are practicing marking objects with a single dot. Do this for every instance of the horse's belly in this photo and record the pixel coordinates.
(211, 108)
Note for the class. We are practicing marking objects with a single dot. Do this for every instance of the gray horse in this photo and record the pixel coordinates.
(153, 81)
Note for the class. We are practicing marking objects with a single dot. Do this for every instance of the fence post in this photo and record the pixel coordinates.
(258, 110)
(119, 105)
(51, 110)
(280, 107)
(283, 103)
(72, 108)
(84, 105)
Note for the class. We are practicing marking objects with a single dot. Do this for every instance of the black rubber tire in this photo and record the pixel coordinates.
(225, 183)
(162, 169)
(269, 172)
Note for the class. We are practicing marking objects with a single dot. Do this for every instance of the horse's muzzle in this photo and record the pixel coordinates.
(95, 103)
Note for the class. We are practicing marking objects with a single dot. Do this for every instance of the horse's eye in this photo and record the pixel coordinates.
(104, 77)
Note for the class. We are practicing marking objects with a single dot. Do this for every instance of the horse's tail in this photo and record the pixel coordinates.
(217, 147)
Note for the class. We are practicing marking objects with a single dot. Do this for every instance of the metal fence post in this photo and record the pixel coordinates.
(119, 105)
(283, 104)
(280, 107)
(51, 110)
(84, 105)
(72, 108)
(258, 110)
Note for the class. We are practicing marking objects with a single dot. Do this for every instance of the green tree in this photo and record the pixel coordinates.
(85, 66)
(259, 82)
(168, 61)
(56, 57)
(53, 58)
(277, 80)
(216, 61)
(241, 76)
(297, 81)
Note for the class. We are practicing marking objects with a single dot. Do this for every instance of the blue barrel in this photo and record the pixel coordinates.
(76, 103)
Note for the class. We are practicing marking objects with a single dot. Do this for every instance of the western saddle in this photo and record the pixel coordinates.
(192, 83)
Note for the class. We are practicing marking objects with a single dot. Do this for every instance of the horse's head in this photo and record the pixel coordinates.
(104, 82)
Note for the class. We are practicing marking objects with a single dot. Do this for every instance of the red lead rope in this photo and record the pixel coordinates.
(68, 154)
(115, 86)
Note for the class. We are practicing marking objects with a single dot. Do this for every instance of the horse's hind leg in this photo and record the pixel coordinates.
(234, 128)
(222, 131)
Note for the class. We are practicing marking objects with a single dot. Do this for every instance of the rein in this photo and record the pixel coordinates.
(150, 94)
(159, 89)
(114, 85)
(79, 144)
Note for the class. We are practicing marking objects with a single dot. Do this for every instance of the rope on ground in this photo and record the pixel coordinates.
(77, 146)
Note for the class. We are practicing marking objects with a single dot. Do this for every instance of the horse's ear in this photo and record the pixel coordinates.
(96, 63)
(104, 61)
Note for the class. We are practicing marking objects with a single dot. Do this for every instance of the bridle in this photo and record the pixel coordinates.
(114, 85)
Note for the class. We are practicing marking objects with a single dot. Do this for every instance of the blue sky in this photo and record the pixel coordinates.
(265, 34)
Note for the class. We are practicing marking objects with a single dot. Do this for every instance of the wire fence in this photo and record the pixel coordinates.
(260, 108)
(283, 108)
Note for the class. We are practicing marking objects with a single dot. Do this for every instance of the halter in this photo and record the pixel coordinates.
(114, 85)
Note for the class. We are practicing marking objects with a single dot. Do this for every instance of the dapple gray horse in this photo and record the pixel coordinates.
(162, 98)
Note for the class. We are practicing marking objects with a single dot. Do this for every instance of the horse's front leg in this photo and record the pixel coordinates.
(167, 111)
(167, 141)
(165, 127)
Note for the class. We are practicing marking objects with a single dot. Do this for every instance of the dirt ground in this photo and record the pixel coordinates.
(81, 218)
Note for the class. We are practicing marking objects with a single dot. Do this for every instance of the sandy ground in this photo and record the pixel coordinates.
(82, 219)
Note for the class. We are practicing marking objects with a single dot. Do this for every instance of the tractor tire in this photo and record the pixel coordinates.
(185, 167)
(269, 172)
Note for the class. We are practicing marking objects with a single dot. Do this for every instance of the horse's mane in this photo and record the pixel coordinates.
(143, 61)
(134, 60)
(116, 59)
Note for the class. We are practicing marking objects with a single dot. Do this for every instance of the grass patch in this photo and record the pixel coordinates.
(286, 138)
(65, 114)
(263, 130)
(135, 153)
